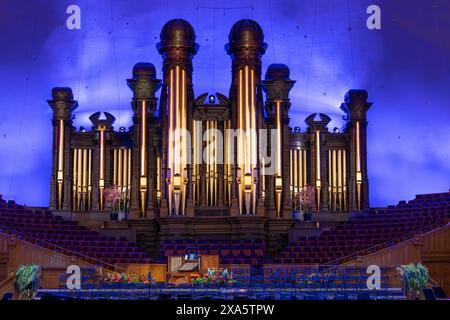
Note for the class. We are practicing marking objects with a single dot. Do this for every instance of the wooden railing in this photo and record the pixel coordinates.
(411, 250)
(22, 252)
(431, 249)
(7, 286)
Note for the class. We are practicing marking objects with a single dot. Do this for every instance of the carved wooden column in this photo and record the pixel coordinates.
(102, 157)
(177, 48)
(356, 107)
(277, 85)
(317, 129)
(246, 47)
(144, 86)
(60, 182)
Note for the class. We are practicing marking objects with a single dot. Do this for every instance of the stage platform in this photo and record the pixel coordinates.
(227, 293)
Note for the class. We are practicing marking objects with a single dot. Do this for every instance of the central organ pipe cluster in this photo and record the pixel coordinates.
(232, 154)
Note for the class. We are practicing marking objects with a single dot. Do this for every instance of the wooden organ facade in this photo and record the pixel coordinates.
(172, 163)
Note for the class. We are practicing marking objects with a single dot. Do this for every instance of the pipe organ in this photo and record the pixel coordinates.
(122, 174)
(184, 155)
(337, 179)
(298, 170)
(82, 179)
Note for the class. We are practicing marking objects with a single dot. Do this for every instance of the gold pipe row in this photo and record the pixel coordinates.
(122, 174)
(81, 183)
(211, 165)
(337, 173)
(247, 141)
(298, 170)
(178, 151)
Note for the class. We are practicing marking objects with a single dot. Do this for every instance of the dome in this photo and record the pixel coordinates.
(144, 69)
(246, 31)
(62, 93)
(277, 71)
(177, 31)
(356, 95)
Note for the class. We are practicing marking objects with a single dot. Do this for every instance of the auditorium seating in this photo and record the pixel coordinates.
(67, 237)
(378, 229)
(230, 251)
(370, 232)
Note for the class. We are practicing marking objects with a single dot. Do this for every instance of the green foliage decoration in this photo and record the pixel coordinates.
(27, 281)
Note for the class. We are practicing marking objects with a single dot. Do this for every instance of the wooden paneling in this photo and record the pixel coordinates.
(54, 278)
(432, 249)
(21, 252)
(3, 266)
(208, 262)
(7, 285)
(3, 244)
(158, 271)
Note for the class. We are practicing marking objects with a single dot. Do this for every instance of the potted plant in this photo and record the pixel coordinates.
(297, 212)
(27, 281)
(112, 201)
(307, 200)
(416, 278)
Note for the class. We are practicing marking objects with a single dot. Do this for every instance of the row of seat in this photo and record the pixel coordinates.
(43, 228)
(378, 229)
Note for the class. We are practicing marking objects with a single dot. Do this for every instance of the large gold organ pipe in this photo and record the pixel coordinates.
(344, 178)
(158, 180)
(339, 179)
(60, 176)
(89, 178)
(247, 140)
(291, 172)
(74, 180)
(102, 166)
(358, 167)
(318, 178)
(330, 179)
(228, 177)
(334, 180)
(278, 182)
(143, 156)
(177, 145)
(196, 134)
(129, 176)
(79, 178)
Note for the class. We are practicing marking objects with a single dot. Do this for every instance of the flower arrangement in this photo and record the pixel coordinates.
(210, 278)
(127, 279)
(27, 281)
(305, 198)
(112, 196)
